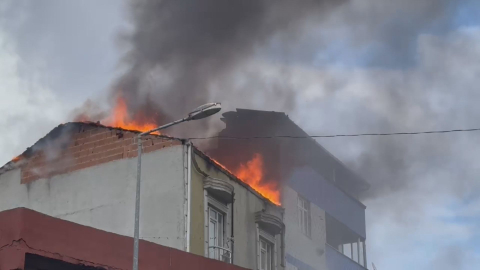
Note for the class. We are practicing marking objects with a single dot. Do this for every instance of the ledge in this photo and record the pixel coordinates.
(219, 188)
(269, 222)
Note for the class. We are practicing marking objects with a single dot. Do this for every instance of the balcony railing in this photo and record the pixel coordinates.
(220, 253)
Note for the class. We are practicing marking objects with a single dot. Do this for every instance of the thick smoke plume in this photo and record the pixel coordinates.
(185, 53)
(253, 54)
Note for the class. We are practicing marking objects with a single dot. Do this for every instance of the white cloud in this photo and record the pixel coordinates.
(29, 109)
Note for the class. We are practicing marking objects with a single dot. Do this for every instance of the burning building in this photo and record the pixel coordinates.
(272, 198)
(85, 173)
(324, 218)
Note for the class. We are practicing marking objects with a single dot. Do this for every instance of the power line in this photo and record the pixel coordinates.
(336, 135)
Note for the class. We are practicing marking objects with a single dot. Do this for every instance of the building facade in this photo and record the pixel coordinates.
(324, 219)
(85, 173)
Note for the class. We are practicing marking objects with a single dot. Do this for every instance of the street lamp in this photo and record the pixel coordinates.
(199, 113)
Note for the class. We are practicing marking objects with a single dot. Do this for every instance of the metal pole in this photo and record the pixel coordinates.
(137, 195)
(137, 204)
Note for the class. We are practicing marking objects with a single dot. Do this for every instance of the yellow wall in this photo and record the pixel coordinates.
(197, 222)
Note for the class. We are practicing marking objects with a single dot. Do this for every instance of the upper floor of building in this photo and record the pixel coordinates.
(325, 227)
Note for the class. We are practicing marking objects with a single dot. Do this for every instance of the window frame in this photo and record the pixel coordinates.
(269, 240)
(304, 209)
(224, 210)
(219, 230)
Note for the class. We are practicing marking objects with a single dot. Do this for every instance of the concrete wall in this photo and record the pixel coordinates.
(304, 252)
(245, 206)
(103, 196)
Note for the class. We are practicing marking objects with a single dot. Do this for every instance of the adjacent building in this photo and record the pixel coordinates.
(324, 219)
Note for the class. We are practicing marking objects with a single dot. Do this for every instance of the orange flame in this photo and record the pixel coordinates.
(17, 158)
(252, 173)
(121, 119)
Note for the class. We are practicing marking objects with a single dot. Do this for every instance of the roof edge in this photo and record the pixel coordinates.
(232, 176)
(12, 164)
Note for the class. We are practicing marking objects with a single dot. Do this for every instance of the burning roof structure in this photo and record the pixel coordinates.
(77, 145)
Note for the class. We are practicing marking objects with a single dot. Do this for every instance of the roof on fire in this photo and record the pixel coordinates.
(55, 136)
(56, 133)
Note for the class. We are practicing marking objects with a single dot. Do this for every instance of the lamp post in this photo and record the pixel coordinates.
(199, 113)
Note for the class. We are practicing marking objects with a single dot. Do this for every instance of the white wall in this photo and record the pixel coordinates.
(310, 251)
(103, 196)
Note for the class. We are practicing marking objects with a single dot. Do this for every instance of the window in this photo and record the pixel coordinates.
(304, 215)
(217, 225)
(266, 254)
(216, 232)
(266, 250)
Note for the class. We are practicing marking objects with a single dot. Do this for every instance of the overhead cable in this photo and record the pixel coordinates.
(335, 135)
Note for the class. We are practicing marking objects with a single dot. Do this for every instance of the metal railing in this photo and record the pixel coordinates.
(220, 253)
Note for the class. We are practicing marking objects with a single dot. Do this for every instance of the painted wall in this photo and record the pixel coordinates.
(103, 196)
(197, 223)
(245, 206)
(303, 252)
(25, 231)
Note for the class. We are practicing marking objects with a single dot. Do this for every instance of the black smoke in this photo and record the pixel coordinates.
(184, 53)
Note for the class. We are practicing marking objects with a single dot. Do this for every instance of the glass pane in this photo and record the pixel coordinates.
(300, 218)
(220, 230)
(213, 214)
(263, 260)
(211, 239)
(220, 220)
(305, 223)
(355, 252)
(347, 250)
(309, 223)
(361, 254)
(269, 257)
